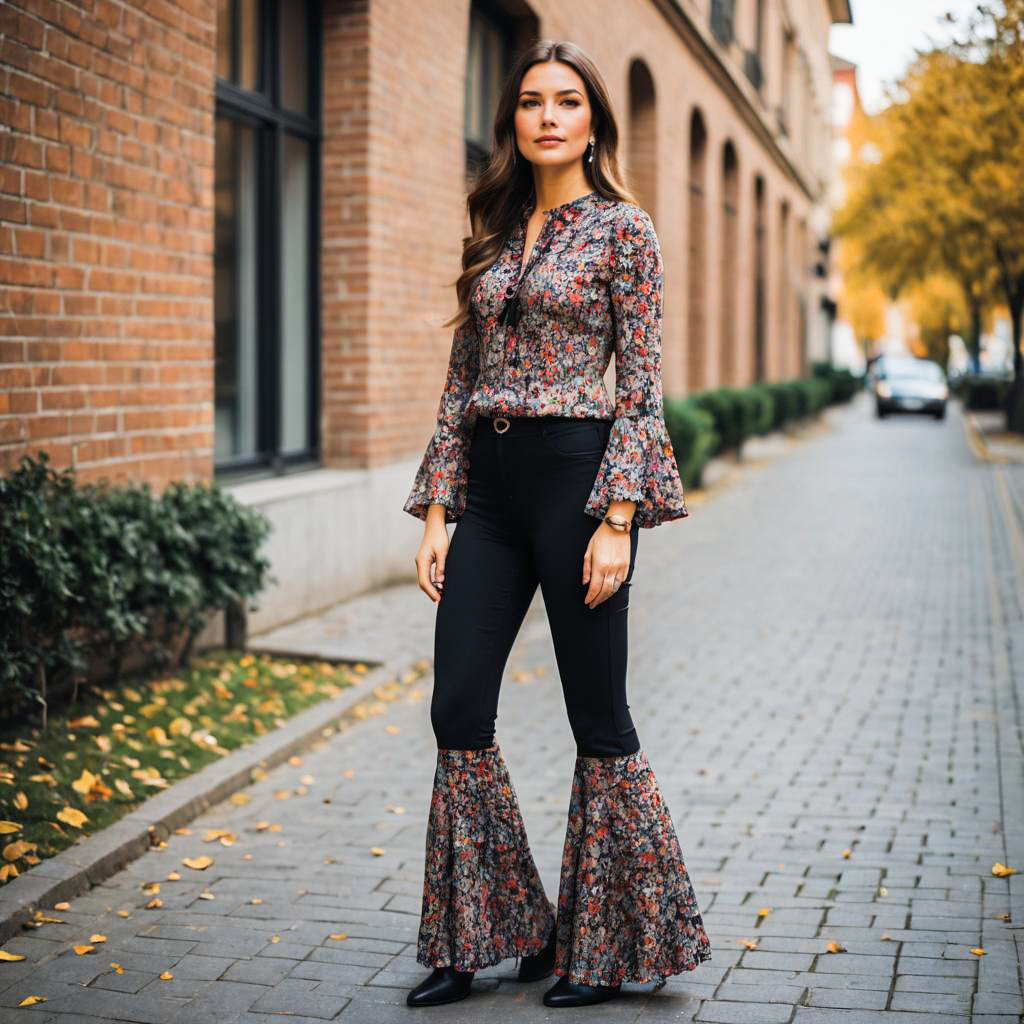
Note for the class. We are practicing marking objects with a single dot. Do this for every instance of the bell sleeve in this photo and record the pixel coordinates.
(443, 473)
(639, 463)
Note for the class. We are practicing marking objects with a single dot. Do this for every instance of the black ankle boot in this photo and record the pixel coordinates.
(442, 985)
(571, 993)
(539, 965)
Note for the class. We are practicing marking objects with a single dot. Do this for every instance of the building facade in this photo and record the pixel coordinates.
(229, 229)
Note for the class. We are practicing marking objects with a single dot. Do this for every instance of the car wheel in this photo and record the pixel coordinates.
(880, 412)
(941, 414)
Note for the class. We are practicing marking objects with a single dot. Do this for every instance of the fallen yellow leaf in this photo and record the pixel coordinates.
(12, 851)
(392, 729)
(166, 976)
(978, 951)
(338, 936)
(847, 854)
(7, 827)
(835, 947)
(151, 887)
(32, 1000)
(118, 968)
(240, 799)
(377, 851)
(198, 863)
(255, 901)
(84, 783)
(749, 943)
(295, 760)
(82, 950)
(154, 903)
(72, 816)
(62, 906)
(275, 939)
(20, 800)
(207, 895)
(1002, 871)
(97, 938)
(8, 871)
(88, 722)
(123, 788)
(9, 958)
(307, 780)
(174, 876)
(764, 911)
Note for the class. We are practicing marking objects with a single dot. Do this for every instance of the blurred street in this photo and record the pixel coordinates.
(825, 672)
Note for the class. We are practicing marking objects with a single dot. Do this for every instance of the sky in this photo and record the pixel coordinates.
(883, 36)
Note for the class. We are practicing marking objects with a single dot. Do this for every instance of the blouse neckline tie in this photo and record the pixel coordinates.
(511, 312)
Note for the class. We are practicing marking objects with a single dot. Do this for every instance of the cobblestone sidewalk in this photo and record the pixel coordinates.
(825, 673)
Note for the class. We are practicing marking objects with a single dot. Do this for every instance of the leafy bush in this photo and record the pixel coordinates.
(984, 393)
(692, 432)
(101, 570)
(763, 400)
(843, 384)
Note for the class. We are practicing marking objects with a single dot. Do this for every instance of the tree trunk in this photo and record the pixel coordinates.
(1015, 399)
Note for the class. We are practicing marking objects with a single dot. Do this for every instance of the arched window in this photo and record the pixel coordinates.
(760, 248)
(730, 244)
(643, 136)
(696, 337)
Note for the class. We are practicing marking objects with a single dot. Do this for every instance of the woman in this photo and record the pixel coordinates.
(548, 483)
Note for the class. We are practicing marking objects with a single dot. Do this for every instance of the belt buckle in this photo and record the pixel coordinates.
(499, 429)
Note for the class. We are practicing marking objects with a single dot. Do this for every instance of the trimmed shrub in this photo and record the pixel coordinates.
(843, 384)
(692, 432)
(984, 393)
(103, 572)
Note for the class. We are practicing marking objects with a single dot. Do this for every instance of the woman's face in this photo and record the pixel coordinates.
(552, 104)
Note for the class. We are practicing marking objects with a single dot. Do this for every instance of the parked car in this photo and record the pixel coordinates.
(910, 385)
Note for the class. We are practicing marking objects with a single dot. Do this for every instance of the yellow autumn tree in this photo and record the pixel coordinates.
(939, 191)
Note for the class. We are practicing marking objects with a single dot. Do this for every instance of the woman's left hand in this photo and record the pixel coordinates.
(606, 561)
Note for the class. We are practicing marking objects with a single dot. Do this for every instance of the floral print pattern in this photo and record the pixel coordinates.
(483, 899)
(626, 908)
(592, 287)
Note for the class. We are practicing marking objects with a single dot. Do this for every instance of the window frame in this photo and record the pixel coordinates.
(261, 110)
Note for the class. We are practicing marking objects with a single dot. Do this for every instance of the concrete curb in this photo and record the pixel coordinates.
(78, 868)
(976, 442)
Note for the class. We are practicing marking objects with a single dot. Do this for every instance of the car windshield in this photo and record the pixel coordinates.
(914, 371)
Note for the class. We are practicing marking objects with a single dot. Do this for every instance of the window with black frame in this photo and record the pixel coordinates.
(266, 239)
(489, 55)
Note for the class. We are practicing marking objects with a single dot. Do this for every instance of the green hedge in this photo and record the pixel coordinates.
(692, 432)
(99, 570)
(710, 422)
(842, 383)
(983, 393)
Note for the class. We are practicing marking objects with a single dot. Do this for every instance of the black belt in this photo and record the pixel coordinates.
(519, 426)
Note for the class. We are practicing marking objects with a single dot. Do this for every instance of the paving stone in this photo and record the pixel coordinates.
(743, 1013)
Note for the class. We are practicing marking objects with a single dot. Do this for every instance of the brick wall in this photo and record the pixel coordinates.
(106, 236)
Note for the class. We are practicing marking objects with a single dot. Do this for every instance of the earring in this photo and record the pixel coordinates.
(590, 159)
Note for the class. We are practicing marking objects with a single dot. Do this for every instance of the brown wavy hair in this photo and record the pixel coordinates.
(497, 196)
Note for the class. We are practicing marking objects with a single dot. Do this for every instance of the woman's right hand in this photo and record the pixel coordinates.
(433, 552)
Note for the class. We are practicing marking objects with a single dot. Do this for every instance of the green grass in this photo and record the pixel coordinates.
(117, 746)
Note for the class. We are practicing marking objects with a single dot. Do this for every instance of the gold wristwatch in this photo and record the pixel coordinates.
(620, 523)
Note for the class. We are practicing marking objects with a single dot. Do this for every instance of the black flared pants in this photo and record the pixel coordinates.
(524, 525)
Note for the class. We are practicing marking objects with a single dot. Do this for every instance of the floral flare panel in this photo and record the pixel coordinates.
(626, 908)
(483, 899)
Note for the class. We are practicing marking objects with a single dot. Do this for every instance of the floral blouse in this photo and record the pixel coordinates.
(592, 286)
